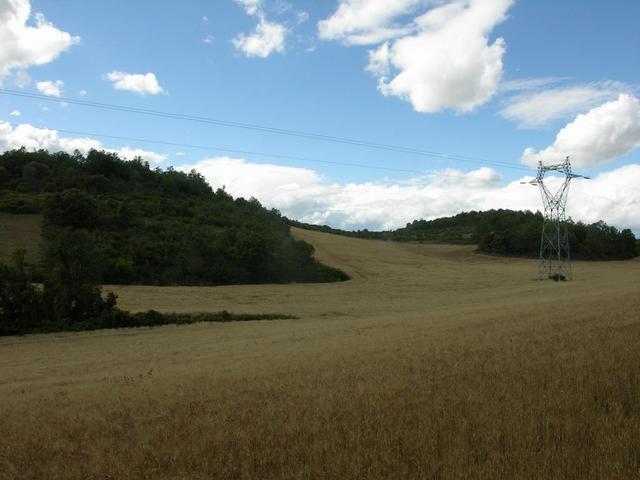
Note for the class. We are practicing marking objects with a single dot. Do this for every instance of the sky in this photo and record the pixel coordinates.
(470, 95)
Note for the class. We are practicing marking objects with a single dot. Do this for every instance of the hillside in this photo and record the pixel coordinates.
(506, 232)
(148, 226)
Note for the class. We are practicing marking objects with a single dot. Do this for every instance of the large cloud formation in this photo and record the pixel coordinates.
(604, 133)
(441, 59)
(303, 194)
(24, 45)
(34, 138)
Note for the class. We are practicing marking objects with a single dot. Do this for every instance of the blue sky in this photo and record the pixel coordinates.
(480, 78)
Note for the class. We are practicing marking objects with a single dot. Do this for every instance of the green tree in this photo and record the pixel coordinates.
(73, 273)
(71, 208)
(21, 305)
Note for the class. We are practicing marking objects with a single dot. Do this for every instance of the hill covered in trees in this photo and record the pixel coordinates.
(507, 232)
(134, 224)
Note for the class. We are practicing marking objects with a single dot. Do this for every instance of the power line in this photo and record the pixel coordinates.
(276, 155)
(265, 129)
(295, 133)
(249, 152)
(229, 150)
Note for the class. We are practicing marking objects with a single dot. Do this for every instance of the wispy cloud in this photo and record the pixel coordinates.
(538, 108)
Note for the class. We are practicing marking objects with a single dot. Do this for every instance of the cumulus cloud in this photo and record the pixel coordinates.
(539, 108)
(139, 83)
(440, 59)
(26, 45)
(34, 138)
(598, 136)
(50, 88)
(267, 38)
(15, 113)
(305, 195)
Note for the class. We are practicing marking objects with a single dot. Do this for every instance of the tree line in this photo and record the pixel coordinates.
(69, 299)
(507, 232)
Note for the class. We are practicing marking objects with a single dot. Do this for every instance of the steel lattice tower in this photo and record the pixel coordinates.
(555, 255)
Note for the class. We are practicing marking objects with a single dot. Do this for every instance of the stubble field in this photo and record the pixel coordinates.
(433, 362)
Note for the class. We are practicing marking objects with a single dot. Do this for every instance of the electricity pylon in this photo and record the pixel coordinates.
(555, 255)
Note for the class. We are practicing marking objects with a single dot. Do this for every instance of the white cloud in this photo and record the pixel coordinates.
(129, 153)
(380, 60)
(440, 59)
(267, 38)
(21, 79)
(34, 138)
(363, 22)
(15, 113)
(481, 178)
(209, 39)
(50, 88)
(25, 45)
(139, 83)
(301, 17)
(82, 93)
(539, 108)
(528, 83)
(305, 195)
(449, 63)
(252, 7)
(598, 136)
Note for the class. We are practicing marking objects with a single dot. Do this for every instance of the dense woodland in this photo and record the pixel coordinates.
(508, 232)
(144, 225)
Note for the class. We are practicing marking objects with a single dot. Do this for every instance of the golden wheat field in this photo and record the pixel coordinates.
(433, 362)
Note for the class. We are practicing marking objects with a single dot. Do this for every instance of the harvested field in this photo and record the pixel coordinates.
(433, 362)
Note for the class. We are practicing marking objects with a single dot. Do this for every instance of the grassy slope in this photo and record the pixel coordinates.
(431, 363)
(19, 231)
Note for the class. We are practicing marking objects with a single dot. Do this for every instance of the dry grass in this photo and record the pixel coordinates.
(433, 362)
(20, 231)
